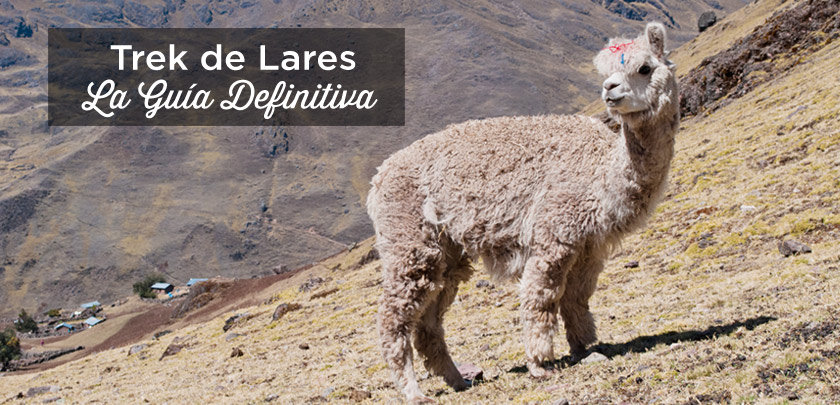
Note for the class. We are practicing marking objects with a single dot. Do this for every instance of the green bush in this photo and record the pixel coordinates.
(54, 313)
(25, 323)
(144, 288)
(9, 348)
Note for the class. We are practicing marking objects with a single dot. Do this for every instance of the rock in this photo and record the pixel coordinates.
(162, 333)
(323, 294)
(485, 347)
(96, 13)
(736, 71)
(12, 56)
(628, 11)
(595, 357)
(303, 346)
(281, 269)
(237, 352)
(42, 390)
(283, 309)
(705, 240)
(470, 372)
(4, 40)
(271, 397)
(203, 13)
(631, 264)
(327, 391)
(747, 208)
(792, 247)
(51, 400)
(483, 284)
(706, 20)
(143, 15)
(231, 336)
(311, 283)
(236, 320)
(23, 30)
(370, 256)
(560, 401)
(171, 350)
(359, 395)
(136, 349)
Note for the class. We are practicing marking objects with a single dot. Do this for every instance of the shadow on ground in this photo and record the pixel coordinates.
(642, 344)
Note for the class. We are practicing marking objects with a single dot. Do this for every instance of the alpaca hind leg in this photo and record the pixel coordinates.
(574, 306)
(408, 290)
(429, 335)
(541, 287)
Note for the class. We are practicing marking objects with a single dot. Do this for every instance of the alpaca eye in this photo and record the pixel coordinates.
(645, 69)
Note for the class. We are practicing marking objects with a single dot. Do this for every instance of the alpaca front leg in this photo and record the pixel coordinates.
(540, 290)
(394, 330)
(574, 306)
(429, 341)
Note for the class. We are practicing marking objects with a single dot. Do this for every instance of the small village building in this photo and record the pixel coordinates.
(64, 326)
(164, 288)
(195, 281)
(91, 304)
(92, 321)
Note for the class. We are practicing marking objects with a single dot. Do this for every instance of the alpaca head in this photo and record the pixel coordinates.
(639, 79)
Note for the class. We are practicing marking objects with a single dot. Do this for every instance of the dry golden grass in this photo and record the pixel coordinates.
(731, 321)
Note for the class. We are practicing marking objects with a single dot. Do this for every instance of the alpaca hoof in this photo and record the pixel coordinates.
(421, 399)
(458, 384)
(540, 372)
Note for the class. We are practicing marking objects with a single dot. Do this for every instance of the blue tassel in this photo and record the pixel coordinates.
(622, 58)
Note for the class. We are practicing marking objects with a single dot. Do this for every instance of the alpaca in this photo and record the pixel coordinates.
(541, 199)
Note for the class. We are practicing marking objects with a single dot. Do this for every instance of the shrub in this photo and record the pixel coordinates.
(144, 288)
(9, 348)
(54, 313)
(25, 323)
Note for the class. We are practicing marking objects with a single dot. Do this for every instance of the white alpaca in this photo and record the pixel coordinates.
(540, 199)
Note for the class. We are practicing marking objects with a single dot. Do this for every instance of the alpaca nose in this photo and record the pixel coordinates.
(610, 84)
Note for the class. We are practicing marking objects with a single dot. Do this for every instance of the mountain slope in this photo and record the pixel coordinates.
(713, 312)
(85, 212)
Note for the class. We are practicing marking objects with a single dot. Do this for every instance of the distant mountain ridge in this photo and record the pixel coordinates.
(85, 212)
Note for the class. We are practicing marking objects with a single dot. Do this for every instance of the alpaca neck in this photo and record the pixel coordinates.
(643, 158)
(649, 146)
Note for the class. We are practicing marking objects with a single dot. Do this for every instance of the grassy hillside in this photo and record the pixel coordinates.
(713, 312)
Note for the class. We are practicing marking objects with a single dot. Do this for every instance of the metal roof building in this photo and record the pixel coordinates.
(93, 321)
(91, 304)
(165, 287)
(195, 281)
(64, 325)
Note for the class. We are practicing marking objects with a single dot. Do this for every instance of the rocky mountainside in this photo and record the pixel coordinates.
(85, 212)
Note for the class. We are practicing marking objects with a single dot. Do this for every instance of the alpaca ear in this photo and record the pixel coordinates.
(655, 33)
